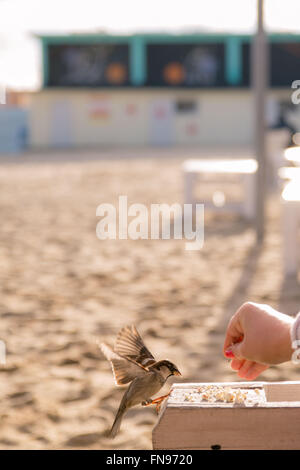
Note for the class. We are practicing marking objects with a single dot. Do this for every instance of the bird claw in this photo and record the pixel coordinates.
(157, 401)
(157, 408)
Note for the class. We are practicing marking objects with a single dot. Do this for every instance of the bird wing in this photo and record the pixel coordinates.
(130, 345)
(124, 370)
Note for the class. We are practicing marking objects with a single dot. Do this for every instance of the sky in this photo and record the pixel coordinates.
(21, 20)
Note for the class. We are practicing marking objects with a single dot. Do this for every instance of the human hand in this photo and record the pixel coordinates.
(256, 337)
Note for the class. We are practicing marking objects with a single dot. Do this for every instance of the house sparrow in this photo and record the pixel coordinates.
(131, 361)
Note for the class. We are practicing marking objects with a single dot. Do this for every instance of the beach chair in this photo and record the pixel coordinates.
(210, 170)
(276, 142)
(290, 204)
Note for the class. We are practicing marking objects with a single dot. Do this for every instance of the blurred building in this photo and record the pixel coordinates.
(171, 90)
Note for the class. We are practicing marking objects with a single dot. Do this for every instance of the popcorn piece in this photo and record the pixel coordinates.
(217, 393)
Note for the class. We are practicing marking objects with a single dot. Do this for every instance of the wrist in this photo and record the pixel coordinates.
(295, 339)
(284, 345)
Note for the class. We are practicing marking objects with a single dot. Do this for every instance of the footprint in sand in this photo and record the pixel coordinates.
(81, 440)
(20, 399)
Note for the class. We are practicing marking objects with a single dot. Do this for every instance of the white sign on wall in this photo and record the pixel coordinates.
(162, 130)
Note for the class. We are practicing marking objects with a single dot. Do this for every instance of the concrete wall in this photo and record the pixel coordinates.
(70, 118)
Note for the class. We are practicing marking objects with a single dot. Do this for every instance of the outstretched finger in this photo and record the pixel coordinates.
(236, 364)
(255, 370)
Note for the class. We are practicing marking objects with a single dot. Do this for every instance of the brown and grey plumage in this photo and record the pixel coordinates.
(133, 363)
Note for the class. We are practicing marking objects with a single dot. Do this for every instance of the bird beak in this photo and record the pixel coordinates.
(176, 372)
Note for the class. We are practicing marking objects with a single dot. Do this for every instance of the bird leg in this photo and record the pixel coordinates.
(157, 401)
(147, 402)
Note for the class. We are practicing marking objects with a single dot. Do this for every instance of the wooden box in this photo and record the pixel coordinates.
(270, 421)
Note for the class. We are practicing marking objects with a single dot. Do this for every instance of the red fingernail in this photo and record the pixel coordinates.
(229, 353)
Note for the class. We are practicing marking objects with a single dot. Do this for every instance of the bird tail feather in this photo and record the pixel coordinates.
(117, 423)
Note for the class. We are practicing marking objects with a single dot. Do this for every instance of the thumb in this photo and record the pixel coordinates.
(236, 350)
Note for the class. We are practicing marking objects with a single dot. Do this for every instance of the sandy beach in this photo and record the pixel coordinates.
(62, 289)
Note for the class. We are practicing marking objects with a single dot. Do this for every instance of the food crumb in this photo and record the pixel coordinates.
(225, 394)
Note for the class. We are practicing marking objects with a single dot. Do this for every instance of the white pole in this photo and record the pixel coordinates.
(260, 74)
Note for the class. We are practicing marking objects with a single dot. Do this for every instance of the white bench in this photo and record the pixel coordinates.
(290, 202)
(244, 169)
(292, 154)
